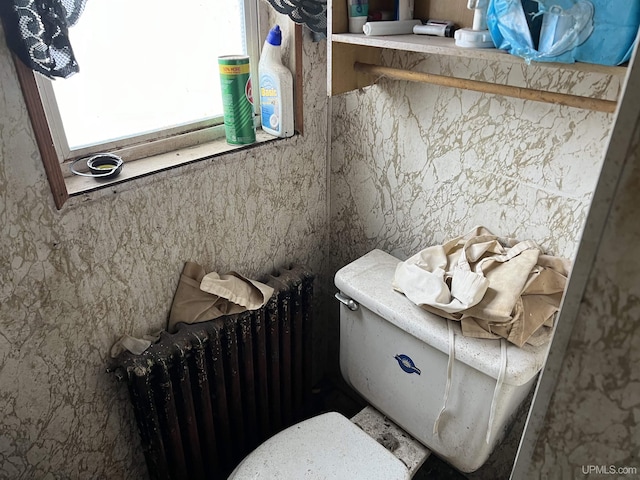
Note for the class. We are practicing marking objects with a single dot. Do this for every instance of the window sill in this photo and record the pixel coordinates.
(78, 185)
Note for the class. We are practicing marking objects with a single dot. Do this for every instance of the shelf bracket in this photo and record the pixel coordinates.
(587, 103)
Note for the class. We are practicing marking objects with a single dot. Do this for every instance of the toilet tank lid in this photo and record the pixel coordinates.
(325, 446)
(367, 280)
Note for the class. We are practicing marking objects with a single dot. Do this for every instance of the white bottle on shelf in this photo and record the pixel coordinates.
(276, 88)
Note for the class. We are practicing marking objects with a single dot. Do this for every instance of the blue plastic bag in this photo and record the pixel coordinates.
(614, 35)
(593, 31)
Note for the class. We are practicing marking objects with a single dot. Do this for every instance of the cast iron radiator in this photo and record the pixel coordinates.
(207, 395)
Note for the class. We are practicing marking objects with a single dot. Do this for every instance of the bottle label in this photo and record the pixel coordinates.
(269, 103)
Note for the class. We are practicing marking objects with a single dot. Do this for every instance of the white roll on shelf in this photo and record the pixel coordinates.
(396, 27)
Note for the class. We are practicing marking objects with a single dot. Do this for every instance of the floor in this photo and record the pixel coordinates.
(338, 398)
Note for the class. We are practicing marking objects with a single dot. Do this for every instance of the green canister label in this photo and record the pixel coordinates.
(237, 99)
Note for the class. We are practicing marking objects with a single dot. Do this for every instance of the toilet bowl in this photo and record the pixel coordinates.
(454, 395)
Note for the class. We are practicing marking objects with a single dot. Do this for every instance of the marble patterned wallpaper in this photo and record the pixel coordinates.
(591, 427)
(415, 164)
(72, 281)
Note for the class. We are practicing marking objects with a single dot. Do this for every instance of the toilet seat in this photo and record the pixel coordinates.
(327, 446)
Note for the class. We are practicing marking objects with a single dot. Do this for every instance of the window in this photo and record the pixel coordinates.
(150, 75)
(148, 81)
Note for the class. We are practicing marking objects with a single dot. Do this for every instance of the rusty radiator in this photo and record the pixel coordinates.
(208, 394)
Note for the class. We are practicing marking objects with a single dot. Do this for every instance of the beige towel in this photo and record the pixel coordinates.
(201, 297)
(496, 287)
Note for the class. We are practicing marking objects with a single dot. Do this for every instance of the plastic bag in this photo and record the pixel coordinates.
(616, 25)
(596, 31)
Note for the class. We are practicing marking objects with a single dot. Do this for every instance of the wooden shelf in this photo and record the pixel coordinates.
(446, 46)
(416, 43)
(347, 49)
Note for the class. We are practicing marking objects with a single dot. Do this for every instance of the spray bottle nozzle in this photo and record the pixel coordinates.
(478, 36)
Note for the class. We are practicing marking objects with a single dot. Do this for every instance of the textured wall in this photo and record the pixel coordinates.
(414, 164)
(72, 281)
(591, 427)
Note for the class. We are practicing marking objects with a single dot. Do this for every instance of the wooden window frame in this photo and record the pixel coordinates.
(44, 138)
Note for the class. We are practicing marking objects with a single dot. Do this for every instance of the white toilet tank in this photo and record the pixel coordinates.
(388, 332)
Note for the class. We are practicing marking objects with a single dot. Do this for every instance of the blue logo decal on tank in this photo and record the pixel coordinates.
(407, 364)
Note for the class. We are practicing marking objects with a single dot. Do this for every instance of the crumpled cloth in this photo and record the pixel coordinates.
(201, 297)
(496, 287)
(137, 346)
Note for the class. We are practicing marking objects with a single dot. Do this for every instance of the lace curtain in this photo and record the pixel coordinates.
(37, 30)
(312, 13)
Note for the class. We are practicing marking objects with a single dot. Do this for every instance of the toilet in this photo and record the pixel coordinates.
(397, 357)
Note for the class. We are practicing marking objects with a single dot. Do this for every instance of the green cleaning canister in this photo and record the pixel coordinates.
(237, 99)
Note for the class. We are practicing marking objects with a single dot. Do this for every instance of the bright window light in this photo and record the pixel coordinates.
(147, 65)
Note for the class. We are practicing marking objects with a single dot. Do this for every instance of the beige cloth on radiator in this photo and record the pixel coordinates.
(496, 287)
(201, 297)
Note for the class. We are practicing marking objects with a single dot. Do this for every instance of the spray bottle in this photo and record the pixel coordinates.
(276, 88)
(478, 36)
